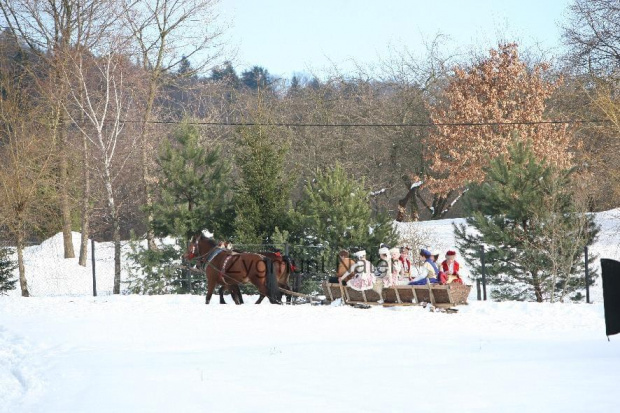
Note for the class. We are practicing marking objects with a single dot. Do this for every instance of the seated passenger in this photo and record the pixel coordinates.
(383, 266)
(405, 262)
(363, 277)
(344, 265)
(395, 269)
(429, 270)
(441, 275)
(450, 269)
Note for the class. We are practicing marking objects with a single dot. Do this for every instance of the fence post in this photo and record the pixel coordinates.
(483, 270)
(478, 293)
(92, 249)
(189, 280)
(585, 250)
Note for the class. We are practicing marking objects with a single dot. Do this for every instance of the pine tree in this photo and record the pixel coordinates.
(7, 266)
(256, 78)
(194, 188)
(194, 197)
(525, 216)
(226, 73)
(335, 212)
(262, 199)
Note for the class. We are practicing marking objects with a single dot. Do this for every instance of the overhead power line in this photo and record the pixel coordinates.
(371, 125)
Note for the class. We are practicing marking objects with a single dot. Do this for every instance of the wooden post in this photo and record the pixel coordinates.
(483, 271)
(585, 250)
(478, 292)
(92, 249)
(189, 280)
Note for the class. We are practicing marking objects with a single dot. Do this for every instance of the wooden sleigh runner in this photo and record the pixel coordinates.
(442, 296)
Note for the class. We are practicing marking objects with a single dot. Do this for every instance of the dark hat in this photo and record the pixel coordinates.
(425, 253)
(450, 252)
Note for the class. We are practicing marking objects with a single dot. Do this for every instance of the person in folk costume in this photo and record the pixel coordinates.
(225, 245)
(405, 262)
(435, 258)
(396, 266)
(450, 269)
(429, 272)
(363, 277)
(383, 266)
(344, 264)
(383, 271)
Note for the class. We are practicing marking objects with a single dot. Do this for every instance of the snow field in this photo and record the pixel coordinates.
(174, 353)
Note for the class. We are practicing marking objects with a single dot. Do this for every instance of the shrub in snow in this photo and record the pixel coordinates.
(534, 234)
(7, 265)
(158, 272)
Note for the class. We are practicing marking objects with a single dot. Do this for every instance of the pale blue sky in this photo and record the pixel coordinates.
(287, 36)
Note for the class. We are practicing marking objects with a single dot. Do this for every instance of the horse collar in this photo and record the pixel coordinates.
(213, 254)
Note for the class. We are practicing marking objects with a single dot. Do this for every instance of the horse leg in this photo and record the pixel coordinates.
(239, 293)
(210, 287)
(235, 292)
(260, 299)
(222, 301)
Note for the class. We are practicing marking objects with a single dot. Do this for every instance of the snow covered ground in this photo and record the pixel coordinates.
(175, 354)
(64, 351)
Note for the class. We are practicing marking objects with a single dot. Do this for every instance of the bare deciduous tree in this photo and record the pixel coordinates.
(102, 97)
(593, 35)
(166, 32)
(53, 30)
(26, 184)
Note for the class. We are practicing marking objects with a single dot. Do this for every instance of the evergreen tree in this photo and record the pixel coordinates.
(7, 266)
(525, 216)
(193, 187)
(226, 73)
(153, 272)
(262, 200)
(335, 213)
(185, 67)
(256, 78)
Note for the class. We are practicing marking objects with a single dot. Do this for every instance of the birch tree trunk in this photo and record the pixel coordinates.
(85, 210)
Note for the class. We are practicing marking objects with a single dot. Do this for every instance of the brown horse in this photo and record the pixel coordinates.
(230, 269)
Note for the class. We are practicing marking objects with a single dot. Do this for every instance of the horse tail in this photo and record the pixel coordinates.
(272, 282)
(290, 267)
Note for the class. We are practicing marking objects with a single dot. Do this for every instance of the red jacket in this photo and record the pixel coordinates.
(444, 267)
(406, 265)
(444, 278)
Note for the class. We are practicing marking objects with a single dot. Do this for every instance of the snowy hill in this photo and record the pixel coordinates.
(64, 351)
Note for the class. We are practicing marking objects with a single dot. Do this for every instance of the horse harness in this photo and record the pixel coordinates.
(210, 256)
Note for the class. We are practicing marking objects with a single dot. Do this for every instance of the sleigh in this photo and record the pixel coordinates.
(442, 296)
